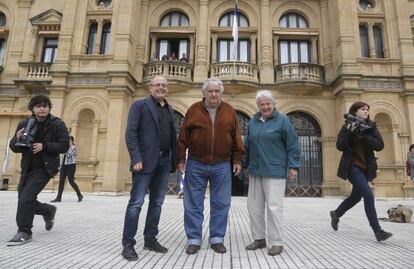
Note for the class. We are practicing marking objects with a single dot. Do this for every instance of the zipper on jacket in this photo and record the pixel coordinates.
(257, 143)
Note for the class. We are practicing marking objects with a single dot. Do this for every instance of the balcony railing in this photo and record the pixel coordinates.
(169, 69)
(35, 70)
(300, 71)
(235, 71)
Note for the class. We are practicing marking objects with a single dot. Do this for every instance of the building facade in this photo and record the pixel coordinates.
(94, 58)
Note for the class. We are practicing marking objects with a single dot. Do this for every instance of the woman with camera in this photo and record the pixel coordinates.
(357, 139)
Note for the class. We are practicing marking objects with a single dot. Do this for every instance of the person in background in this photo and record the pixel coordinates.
(68, 169)
(358, 139)
(272, 155)
(410, 162)
(173, 57)
(184, 58)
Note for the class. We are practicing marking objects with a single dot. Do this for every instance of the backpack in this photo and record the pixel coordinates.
(400, 214)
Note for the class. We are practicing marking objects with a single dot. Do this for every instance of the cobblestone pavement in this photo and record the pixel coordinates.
(88, 235)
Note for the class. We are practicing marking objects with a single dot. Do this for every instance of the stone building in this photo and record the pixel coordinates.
(94, 58)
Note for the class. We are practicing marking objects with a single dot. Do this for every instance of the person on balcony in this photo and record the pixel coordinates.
(172, 57)
(211, 134)
(151, 141)
(184, 58)
(358, 139)
(272, 155)
(164, 57)
(154, 57)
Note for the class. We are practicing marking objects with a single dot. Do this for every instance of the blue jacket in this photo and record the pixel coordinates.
(142, 136)
(271, 147)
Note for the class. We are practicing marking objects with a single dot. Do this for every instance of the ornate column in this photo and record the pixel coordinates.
(213, 48)
(201, 64)
(275, 50)
(141, 39)
(191, 56)
(314, 55)
(266, 69)
(253, 39)
(32, 56)
(371, 40)
(98, 37)
(94, 139)
(153, 44)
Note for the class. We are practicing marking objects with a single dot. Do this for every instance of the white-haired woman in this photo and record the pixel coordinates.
(272, 154)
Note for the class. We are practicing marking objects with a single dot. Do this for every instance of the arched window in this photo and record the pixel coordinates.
(106, 35)
(93, 28)
(363, 36)
(366, 4)
(104, 2)
(175, 19)
(293, 20)
(227, 20)
(3, 19)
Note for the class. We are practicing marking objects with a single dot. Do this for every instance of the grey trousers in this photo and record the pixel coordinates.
(265, 201)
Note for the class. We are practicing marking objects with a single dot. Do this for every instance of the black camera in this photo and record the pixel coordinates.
(360, 126)
(25, 141)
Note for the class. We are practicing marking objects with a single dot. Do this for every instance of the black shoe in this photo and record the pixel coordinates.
(129, 253)
(219, 248)
(261, 243)
(334, 220)
(56, 200)
(50, 219)
(80, 198)
(19, 239)
(154, 246)
(192, 249)
(382, 235)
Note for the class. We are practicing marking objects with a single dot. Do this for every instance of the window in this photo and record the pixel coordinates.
(294, 51)
(227, 20)
(366, 4)
(91, 38)
(2, 50)
(293, 20)
(49, 50)
(172, 49)
(225, 48)
(175, 19)
(106, 34)
(363, 36)
(2, 19)
(379, 52)
(104, 2)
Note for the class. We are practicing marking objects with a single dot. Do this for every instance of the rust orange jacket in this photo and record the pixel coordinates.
(210, 144)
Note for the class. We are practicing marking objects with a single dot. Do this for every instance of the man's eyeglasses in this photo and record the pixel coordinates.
(161, 85)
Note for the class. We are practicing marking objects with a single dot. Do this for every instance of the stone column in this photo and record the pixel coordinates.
(266, 69)
(213, 48)
(32, 56)
(141, 40)
(98, 36)
(314, 55)
(191, 56)
(275, 50)
(153, 44)
(326, 56)
(201, 64)
(371, 40)
(253, 39)
(94, 140)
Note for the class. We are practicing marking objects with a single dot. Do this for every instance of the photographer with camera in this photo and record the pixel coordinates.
(40, 138)
(357, 139)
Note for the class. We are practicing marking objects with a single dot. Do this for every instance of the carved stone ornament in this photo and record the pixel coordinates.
(371, 84)
(89, 81)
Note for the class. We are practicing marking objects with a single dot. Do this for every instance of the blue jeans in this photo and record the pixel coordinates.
(156, 182)
(360, 188)
(196, 177)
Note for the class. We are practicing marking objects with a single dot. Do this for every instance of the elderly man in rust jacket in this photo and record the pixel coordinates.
(211, 134)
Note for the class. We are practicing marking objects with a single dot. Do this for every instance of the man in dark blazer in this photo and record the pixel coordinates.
(151, 141)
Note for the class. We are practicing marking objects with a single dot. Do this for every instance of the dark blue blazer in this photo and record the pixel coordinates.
(142, 136)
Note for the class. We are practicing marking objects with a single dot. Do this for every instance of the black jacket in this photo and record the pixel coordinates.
(372, 141)
(55, 140)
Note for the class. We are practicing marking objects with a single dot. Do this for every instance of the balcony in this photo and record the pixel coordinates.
(171, 70)
(34, 72)
(300, 72)
(235, 71)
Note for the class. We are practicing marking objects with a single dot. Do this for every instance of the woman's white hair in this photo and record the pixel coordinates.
(267, 95)
(212, 80)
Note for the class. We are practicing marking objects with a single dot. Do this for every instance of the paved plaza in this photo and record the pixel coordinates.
(88, 235)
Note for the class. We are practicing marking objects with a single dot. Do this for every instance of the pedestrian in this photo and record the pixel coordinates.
(272, 154)
(211, 134)
(40, 138)
(358, 139)
(151, 141)
(68, 169)
(410, 162)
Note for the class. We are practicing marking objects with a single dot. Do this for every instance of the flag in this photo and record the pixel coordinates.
(235, 33)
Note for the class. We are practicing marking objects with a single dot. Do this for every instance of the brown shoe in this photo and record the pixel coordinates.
(219, 248)
(275, 250)
(261, 243)
(192, 249)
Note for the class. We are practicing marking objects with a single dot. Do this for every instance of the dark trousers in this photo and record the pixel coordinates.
(67, 171)
(31, 184)
(360, 188)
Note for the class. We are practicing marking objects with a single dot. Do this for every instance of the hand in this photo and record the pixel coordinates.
(236, 169)
(19, 133)
(293, 174)
(351, 126)
(181, 168)
(37, 147)
(138, 166)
